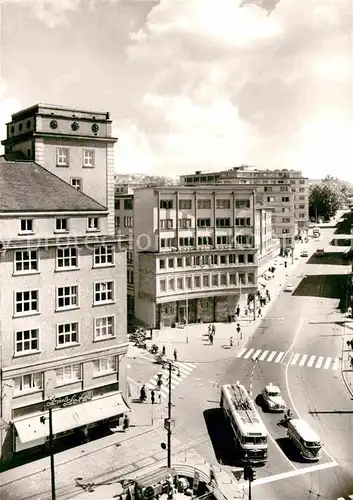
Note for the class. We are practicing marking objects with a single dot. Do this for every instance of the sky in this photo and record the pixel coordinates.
(192, 84)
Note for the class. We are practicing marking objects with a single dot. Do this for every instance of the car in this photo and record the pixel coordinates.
(320, 252)
(272, 399)
(289, 287)
(311, 226)
(304, 253)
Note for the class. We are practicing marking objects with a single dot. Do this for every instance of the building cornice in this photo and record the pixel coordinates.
(50, 135)
(87, 241)
(58, 213)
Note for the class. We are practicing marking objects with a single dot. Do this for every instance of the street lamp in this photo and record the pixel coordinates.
(49, 405)
(169, 423)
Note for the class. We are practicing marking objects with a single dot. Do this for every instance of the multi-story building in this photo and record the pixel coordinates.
(195, 252)
(62, 279)
(284, 192)
(124, 212)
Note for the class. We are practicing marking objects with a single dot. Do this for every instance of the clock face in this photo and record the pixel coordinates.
(95, 128)
(53, 124)
(75, 126)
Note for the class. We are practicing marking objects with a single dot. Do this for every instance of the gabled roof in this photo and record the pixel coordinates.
(28, 187)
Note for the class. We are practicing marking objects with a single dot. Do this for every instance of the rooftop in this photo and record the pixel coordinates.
(25, 186)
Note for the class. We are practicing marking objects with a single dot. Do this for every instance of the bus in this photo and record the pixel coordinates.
(305, 439)
(250, 433)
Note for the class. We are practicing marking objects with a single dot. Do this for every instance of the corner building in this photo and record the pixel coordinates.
(62, 280)
(195, 252)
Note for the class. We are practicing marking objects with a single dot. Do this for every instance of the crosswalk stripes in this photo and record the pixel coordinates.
(348, 497)
(297, 359)
(180, 371)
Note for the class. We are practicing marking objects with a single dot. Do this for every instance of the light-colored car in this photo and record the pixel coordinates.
(304, 253)
(320, 252)
(272, 399)
(289, 287)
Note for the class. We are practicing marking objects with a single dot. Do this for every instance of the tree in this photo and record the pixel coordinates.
(324, 200)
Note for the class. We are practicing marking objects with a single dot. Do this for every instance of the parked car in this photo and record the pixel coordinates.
(320, 252)
(289, 287)
(272, 399)
(304, 253)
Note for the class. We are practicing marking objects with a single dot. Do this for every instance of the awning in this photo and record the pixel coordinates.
(71, 417)
(262, 281)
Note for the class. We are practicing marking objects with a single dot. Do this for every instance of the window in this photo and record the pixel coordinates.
(214, 259)
(67, 297)
(186, 242)
(104, 327)
(241, 258)
(185, 204)
(103, 255)
(223, 279)
(301, 197)
(270, 198)
(26, 226)
(214, 279)
(26, 261)
(204, 240)
(301, 206)
(162, 285)
(184, 223)
(188, 282)
(166, 204)
(166, 223)
(187, 261)
(180, 284)
(203, 204)
(76, 182)
(231, 258)
(243, 221)
(206, 280)
(250, 258)
(68, 374)
(61, 225)
(128, 222)
(286, 220)
(204, 222)
(67, 258)
(243, 203)
(171, 285)
(170, 263)
(224, 240)
(301, 181)
(179, 262)
(241, 278)
(66, 333)
(222, 259)
(104, 365)
(302, 216)
(88, 158)
(285, 199)
(62, 157)
(27, 341)
(223, 222)
(128, 204)
(26, 302)
(130, 277)
(268, 189)
(197, 281)
(161, 264)
(103, 292)
(223, 203)
(117, 204)
(243, 239)
(301, 190)
(168, 242)
(232, 279)
(129, 257)
(117, 221)
(250, 278)
(283, 189)
(29, 383)
(93, 223)
(285, 231)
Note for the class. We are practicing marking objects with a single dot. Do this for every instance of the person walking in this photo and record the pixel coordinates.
(231, 342)
(126, 423)
(213, 330)
(175, 354)
(259, 312)
(238, 330)
(143, 393)
(237, 311)
(163, 350)
(209, 329)
(211, 338)
(152, 396)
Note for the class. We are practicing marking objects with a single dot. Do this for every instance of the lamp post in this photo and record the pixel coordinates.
(49, 405)
(168, 422)
(187, 317)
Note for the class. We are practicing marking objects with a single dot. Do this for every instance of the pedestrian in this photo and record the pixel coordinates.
(237, 311)
(175, 354)
(259, 311)
(246, 311)
(231, 342)
(213, 330)
(238, 328)
(159, 398)
(163, 350)
(211, 339)
(126, 423)
(159, 381)
(209, 329)
(143, 393)
(152, 396)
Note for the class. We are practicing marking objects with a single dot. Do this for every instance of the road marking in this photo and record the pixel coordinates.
(271, 356)
(294, 473)
(319, 362)
(302, 361)
(263, 355)
(256, 354)
(279, 357)
(249, 353)
(239, 355)
(335, 365)
(327, 363)
(180, 371)
(311, 361)
(295, 359)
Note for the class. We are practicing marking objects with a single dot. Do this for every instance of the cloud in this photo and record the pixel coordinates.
(8, 106)
(133, 152)
(226, 85)
(51, 12)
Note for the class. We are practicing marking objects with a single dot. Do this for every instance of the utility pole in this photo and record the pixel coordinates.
(249, 474)
(49, 404)
(169, 430)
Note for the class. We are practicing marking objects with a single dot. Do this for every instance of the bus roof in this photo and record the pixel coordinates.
(304, 430)
(243, 410)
